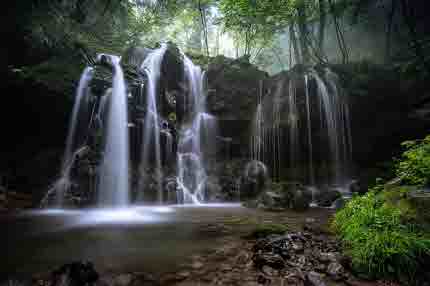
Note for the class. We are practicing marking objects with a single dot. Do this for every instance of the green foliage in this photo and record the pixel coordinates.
(379, 237)
(252, 22)
(266, 229)
(61, 25)
(414, 166)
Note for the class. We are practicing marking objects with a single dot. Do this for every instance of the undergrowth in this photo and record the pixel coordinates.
(414, 166)
(380, 238)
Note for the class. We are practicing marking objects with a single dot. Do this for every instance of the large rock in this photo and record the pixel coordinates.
(233, 88)
(420, 200)
(328, 197)
(213, 190)
(315, 279)
(295, 196)
(254, 180)
(75, 274)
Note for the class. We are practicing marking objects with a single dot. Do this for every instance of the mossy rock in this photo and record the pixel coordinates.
(393, 194)
(266, 229)
(420, 201)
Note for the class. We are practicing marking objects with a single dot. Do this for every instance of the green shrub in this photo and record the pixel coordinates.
(378, 237)
(414, 166)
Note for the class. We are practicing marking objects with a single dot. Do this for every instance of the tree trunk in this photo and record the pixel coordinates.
(293, 39)
(303, 31)
(409, 18)
(204, 25)
(322, 24)
(390, 17)
(340, 39)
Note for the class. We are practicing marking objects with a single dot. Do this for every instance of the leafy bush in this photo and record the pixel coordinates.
(378, 237)
(414, 167)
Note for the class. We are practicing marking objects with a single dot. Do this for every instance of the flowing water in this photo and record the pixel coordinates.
(317, 117)
(63, 184)
(113, 188)
(335, 119)
(293, 126)
(151, 123)
(196, 147)
(193, 158)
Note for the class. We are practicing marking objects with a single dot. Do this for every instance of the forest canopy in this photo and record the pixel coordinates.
(272, 34)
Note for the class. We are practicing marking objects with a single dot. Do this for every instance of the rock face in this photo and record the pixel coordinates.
(420, 200)
(386, 109)
(233, 89)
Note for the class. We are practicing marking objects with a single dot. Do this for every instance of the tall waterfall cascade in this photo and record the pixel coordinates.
(151, 126)
(301, 129)
(113, 188)
(200, 129)
(132, 147)
(63, 185)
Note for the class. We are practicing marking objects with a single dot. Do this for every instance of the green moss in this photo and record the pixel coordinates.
(265, 229)
(59, 75)
(396, 193)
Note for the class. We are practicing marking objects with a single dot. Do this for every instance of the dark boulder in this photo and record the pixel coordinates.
(254, 180)
(327, 198)
(75, 274)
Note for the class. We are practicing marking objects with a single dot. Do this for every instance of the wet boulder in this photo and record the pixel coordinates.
(213, 190)
(295, 196)
(270, 200)
(254, 180)
(170, 188)
(315, 279)
(420, 200)
(356, 187)
(75, 274)
(328, 197)
(301, 200)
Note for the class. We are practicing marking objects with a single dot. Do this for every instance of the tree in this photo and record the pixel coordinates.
(254, 21)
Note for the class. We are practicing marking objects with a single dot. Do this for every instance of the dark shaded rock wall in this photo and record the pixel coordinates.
(232, 96)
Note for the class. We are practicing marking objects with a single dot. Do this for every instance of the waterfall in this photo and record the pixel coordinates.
(276, 132)
(343, 110)
(81, 95)
(335, 119)
(63, 184)
(317, 117)
(100, 114)
(151, 123)
(257, 132)
(113, 188)
(197, 140)
(309, 134)
(293, 126)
